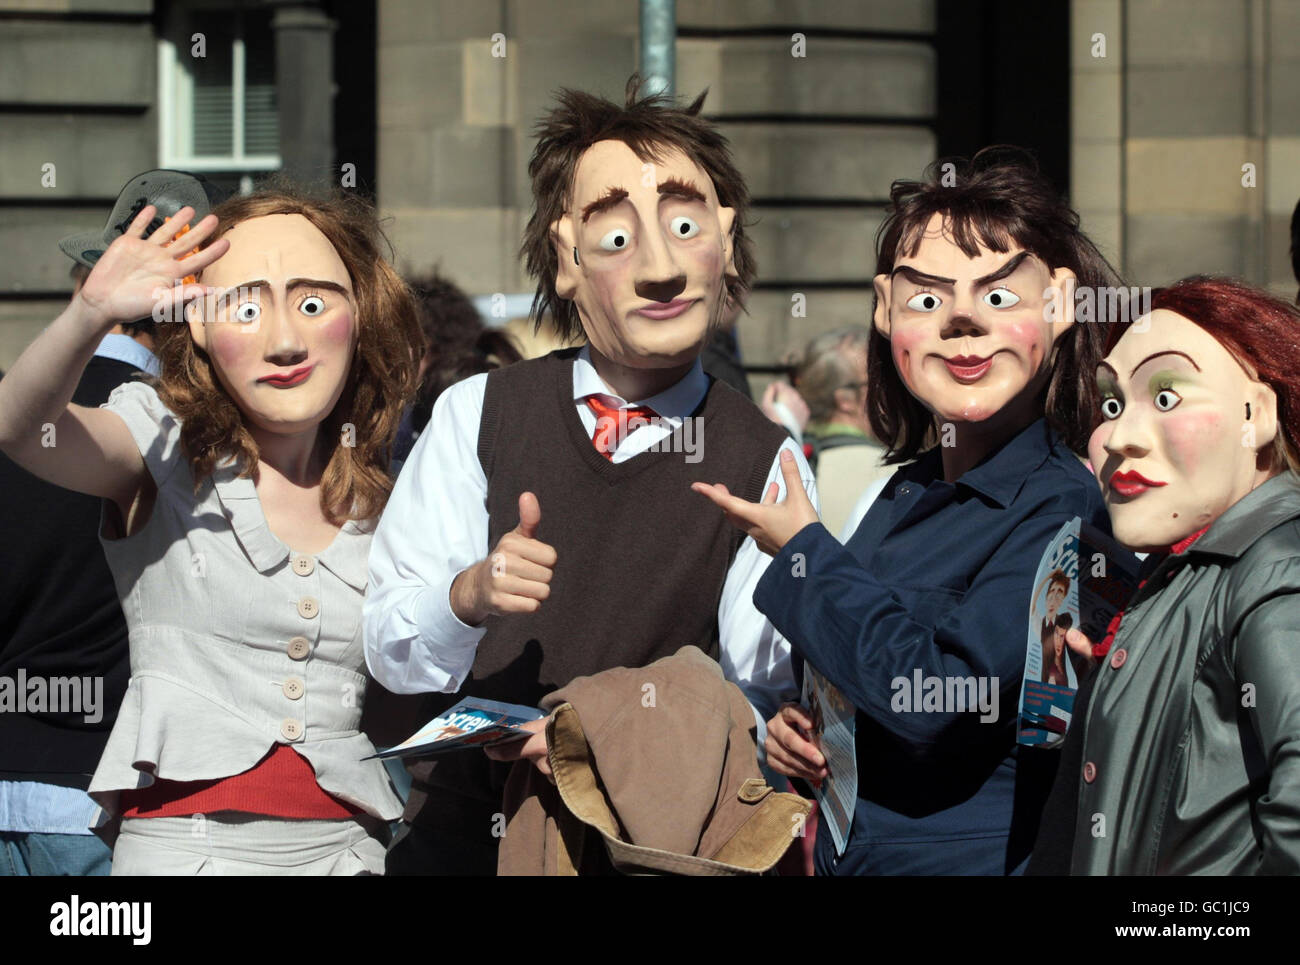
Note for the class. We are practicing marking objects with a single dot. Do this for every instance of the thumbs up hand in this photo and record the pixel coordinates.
(514, 578)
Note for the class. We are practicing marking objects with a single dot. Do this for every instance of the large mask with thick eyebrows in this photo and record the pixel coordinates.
(972, 337)
(281, 328)
(643, 250)
(1184, 433)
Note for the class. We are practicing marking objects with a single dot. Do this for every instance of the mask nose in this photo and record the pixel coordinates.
(660, 279)
(1128, 437)
(284, 343)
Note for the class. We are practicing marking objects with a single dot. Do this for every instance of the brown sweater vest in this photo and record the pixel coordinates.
(641, 560)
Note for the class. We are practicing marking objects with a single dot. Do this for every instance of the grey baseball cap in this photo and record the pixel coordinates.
(168, 190)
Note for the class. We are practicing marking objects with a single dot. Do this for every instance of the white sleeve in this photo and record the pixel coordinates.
(860, 508)
(752, 654)
(156, 431)
(434, 526)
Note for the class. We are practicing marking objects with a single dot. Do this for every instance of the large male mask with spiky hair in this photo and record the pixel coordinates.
(637, 237)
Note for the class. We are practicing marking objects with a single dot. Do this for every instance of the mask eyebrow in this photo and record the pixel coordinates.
(611, 197)
(920, 277)
(1002, 272)
(1168, 351)
(316, 283)
(677, 188)
(235, 291)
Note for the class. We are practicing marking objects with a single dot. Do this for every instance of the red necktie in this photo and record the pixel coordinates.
(612, 423)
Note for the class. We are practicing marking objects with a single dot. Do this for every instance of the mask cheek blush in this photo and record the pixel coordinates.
(903, 344)
(1097, 447)
(1028, 335)
(228, 346)
(338, 329)
(1195, 439)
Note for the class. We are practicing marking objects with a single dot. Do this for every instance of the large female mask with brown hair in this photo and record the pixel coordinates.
(307, 330)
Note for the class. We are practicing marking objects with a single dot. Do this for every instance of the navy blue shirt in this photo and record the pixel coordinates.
(935, 583)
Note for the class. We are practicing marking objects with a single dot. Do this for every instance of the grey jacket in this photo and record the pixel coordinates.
(1191, 741)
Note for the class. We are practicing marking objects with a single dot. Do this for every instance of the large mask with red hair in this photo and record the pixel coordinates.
(1198, 408)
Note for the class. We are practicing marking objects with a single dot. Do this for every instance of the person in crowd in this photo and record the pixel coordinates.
(239, 494)
(847, 458)
(1183, 754)
(543, 528)
(64, 625)
(457, 345)
(782, 403)
(972, 373)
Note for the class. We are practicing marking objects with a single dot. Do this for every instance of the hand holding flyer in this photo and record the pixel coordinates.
(1082, 582)
(473, 722)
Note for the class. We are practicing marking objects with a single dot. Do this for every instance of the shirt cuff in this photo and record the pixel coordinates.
(449, 643)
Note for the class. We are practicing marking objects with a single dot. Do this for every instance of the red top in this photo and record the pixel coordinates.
(281, 785)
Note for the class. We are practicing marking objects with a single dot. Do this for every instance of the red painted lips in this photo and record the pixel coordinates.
(1132, 483)
(968, 368)
(296, 377)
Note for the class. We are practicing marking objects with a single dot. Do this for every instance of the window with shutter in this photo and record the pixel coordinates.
(217, 103)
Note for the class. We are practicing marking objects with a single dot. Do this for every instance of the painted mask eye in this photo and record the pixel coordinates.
(1001, 298)
(1111, 407)
(312, 305)
(616, 240)
(1166, 399)
(924, 302)
(683, 227)
(248, 312)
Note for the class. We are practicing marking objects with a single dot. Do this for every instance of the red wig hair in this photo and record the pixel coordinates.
(1260, 331)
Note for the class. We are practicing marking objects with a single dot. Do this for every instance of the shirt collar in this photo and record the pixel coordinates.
(346, 557)
(1264, 508)
(677, 401)
(123, 348)
(1002, 474)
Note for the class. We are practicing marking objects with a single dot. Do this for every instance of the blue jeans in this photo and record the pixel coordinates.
(24, 854)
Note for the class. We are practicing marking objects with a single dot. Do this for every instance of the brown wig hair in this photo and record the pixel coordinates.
(380, 381)
(1260, 331)
(997, 199)
(649, 126)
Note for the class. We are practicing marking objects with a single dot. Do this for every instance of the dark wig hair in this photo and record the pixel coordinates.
(456, 342)
(1260, 331)
(647, 125)
(1295, 246)
(998, 199)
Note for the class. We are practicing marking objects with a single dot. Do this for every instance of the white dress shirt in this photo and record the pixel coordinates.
(436, 525)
